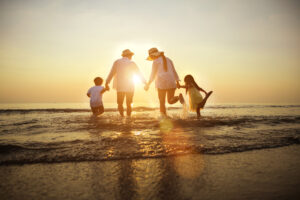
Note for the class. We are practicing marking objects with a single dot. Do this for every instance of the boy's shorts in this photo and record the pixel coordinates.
(97, 110)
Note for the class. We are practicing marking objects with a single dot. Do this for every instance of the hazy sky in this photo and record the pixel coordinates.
(245, 51)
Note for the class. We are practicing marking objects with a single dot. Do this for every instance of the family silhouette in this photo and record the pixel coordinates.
(166, 83)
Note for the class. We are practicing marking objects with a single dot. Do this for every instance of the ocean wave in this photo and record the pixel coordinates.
(80, 151)
(139, 122)
(137, 109)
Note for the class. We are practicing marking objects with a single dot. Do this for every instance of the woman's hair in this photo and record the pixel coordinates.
(164, 61)
(189, 81)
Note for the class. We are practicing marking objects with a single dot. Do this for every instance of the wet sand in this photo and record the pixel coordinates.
(260, 174)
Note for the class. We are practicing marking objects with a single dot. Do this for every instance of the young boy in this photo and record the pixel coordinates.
(95, 94)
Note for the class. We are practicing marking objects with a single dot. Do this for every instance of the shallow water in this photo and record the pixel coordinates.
(57, 134)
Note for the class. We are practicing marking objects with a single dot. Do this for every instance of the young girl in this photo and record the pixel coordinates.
(195, 98)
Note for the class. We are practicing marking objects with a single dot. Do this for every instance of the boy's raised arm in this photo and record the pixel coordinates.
(104, 90)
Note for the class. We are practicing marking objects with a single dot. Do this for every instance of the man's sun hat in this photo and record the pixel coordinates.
(153, 52)
(127, 52)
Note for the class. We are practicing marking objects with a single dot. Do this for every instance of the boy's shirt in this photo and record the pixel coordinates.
(95, 96)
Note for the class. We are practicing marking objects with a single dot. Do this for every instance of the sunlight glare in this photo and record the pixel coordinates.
(136, 79)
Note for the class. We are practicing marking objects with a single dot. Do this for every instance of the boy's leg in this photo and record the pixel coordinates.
(171, 98)
(203, 102)
(94, 110)
(162, 100)
(120, 100)
(129, 97)
(100, 109)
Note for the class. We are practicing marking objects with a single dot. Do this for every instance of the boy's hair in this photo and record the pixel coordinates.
(98, 81)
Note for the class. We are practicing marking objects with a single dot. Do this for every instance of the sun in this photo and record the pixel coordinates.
(136, 79)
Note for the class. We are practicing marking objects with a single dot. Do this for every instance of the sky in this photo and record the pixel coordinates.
(245, 51)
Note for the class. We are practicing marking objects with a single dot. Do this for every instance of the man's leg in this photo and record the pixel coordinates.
(171, 98)
(120, 100)
(129, 97)
(162, 100)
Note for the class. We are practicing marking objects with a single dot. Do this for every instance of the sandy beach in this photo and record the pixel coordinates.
(259, 174)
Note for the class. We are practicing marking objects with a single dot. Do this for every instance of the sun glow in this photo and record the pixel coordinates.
(136, 79)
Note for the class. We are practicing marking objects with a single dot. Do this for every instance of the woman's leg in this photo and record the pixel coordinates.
(171, 98)
(162, 100)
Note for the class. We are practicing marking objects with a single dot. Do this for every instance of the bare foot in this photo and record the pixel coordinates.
(209, 93)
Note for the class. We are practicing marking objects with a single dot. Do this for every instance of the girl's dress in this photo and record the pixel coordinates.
(194, 98)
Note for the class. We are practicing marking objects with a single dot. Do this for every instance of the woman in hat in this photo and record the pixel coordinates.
(166, 78)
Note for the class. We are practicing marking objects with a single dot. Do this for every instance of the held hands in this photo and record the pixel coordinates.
(177, 84)
(107, 87)
(146, 87)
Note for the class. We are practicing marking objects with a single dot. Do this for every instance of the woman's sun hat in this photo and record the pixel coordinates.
(153, 52)
(127, 52)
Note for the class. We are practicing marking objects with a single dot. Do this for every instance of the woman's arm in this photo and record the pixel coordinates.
(174, 71)
(175, 74)
(152, 76)
(153, 72)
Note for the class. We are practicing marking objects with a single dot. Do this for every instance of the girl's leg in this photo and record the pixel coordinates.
(162, 100)
(198, 111)
(203, 102)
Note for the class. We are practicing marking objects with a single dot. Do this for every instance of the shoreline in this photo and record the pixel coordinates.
(257, 174)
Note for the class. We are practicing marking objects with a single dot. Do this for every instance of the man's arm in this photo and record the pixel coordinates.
(139, 73)
(111, 74)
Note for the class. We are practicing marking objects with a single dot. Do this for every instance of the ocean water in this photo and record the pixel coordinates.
(53, 133)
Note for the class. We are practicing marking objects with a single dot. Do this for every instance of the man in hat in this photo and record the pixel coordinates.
(123, 71)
